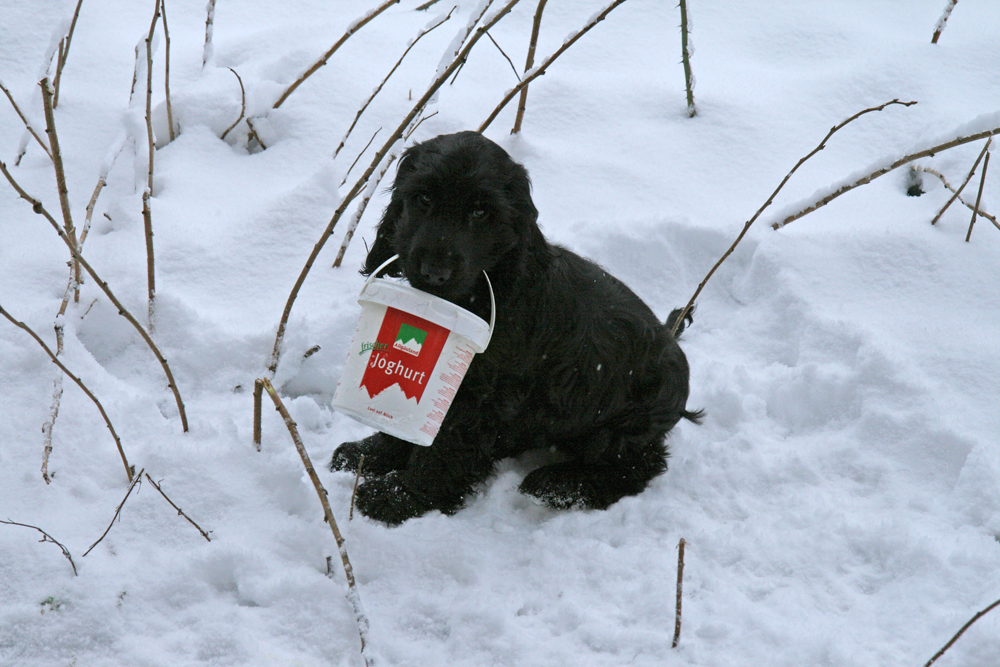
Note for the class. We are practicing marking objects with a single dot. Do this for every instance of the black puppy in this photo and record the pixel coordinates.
(577, 364)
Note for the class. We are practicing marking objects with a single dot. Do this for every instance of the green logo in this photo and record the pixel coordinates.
(410, 339)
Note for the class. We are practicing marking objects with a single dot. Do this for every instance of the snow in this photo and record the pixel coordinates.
(840, 504)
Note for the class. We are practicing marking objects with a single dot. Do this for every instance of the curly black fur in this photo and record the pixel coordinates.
(577, 362)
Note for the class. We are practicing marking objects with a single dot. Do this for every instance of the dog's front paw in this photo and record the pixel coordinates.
(570, 485)
(387, 499)
(382, 454)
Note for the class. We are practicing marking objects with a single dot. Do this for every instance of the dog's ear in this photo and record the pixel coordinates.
(519, 190)
(382, 249)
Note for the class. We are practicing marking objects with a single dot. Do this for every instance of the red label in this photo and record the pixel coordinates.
(406, 349)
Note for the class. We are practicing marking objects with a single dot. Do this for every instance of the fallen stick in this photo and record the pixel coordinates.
(746, 227)
(959, 633)
(38, 208)
(179, 510)
(135, 480)
(351, 29)
(46, 538)
(128, 469)
(353, 597)
(379, 156)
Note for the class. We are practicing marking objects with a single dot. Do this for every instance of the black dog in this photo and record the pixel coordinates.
(578, 363)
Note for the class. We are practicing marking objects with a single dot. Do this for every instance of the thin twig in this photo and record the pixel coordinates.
(411, 130)
(374, 134)
(258, 388)
(46, 538)
(686, 60)
(147, 223)
(972, 172)
(79, 382)
(959, 633)
(460, 40)
(135, 480)
(680, 585)
(354, 492)
(38, 208)
(939, 28)
(427, 5)
(356, 218)
(979, 197)
(944, 181)
(166, 69)
(206, 53)
(253, 134)
(540, 70)
(881, 171)
(522, 103)
(24, 120)
(179, 510)
(243, 104)
(64, 54)
(353, 28)
(353, 596)
(746, 226)
(378, 88)
(379, 156)
(504, 54)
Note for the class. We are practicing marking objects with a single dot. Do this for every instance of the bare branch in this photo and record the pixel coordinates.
(258, 388)
(944, 181)
(353, 596)
(747, 225)
(179, 510)
(972, 172)
(135, 480)
(356, 189)
(959, 633)
(64, 54)
(24, 120)
(354, 492)
(979, 197)
(37, 207)
(939, 28)
(356, 218)
(532, 44)
(46, 538)
(206, 53)
(686, 60)
(378, 88)
(881, 171)
(353, 28)
(349, 169)
(166, 70)
(79, 382)
(680, 586)
(540, 70)
(243, 104)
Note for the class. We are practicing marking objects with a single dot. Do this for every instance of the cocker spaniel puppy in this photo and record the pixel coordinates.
(578, 364)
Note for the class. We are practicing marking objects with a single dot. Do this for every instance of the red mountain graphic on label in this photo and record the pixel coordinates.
(410, 346)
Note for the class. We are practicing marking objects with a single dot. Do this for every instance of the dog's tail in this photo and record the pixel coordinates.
(672, 320)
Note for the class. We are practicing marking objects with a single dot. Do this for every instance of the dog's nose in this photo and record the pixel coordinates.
(435, 274)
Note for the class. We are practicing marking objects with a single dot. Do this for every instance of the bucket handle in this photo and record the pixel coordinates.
(489, 285)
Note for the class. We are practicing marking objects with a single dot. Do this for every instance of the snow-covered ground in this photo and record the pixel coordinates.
(840, 505)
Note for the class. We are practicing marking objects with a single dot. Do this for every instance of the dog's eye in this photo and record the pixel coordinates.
(425, 199)
(477, 214)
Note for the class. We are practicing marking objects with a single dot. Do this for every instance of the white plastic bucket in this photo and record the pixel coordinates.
(408, 357)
